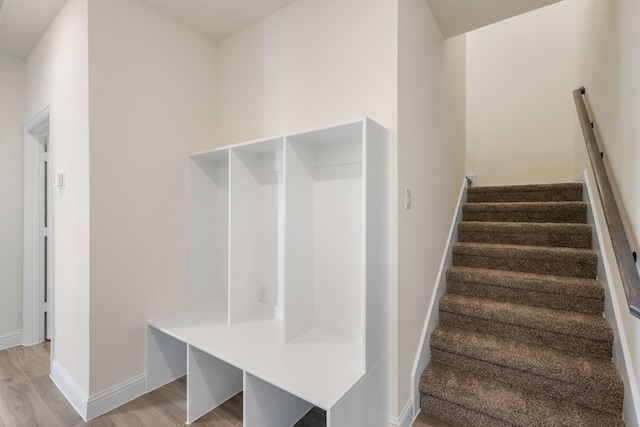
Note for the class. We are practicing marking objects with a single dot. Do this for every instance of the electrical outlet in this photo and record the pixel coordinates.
(264, 294)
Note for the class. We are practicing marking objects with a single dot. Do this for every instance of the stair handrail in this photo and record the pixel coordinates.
(624, 256)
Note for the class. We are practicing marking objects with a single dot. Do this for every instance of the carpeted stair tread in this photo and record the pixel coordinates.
(551, 291)
(526, 233)
(562, 322)
(583, 380)
(568, 331)
(558, 212)
(507, 405)
(526, 193)
(531, 259)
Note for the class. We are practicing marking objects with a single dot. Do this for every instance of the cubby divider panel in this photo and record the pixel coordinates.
(166, 358)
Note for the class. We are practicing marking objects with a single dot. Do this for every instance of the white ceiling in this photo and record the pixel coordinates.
(24, 24)
(218, 19)
(27, 20)
(460, 16)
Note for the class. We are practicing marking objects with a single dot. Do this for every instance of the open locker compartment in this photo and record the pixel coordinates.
(208, 225)
(256, 246)
(324, 190)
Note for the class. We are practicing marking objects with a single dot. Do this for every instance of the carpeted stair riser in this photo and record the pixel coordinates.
(570, 344)
(506, 404)
(556, 292)
(562, 330)
(582, 380)
(458, 415)
(558, 212)
(531, 259)
(526, 233)
(526, 193)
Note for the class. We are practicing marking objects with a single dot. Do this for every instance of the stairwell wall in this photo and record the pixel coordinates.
(607, 63)
(13, 115)
(518, 111)
(431, 163)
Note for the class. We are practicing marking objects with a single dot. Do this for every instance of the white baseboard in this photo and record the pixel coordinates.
(423, 355)
(70, 389)
(10, 339)
(115, 396)
(406, 417)
(99, 403)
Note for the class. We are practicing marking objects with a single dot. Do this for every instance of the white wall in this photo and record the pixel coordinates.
(152, 100)
(431, 161)
(519, 103)
(13, 115)
(57, 76)
(310, 64)
(608, 65)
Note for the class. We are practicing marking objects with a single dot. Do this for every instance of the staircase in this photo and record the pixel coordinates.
(522, 340)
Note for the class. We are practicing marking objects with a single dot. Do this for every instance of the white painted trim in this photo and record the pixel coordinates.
(10, 339)
(31, 242)
(99, 403)
(32, 327)
(406, 418)
(433, 318)
(621, 356)
(70, 389)
(116, 396)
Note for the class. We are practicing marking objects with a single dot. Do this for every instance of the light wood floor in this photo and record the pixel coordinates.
(28, 398)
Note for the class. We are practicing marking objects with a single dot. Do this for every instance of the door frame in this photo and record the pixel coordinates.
(33, 328)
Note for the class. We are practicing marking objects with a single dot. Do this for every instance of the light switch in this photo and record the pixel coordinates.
(58, 180)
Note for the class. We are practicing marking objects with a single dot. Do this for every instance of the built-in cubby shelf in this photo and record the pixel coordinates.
(288, 277)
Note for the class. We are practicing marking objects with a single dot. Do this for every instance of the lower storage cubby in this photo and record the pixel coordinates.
(266, 405)
(210, 383)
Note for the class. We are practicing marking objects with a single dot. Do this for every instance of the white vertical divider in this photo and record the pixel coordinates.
(243, 230)
(208, 210)
(299, 208)
(210, 383)
(166, 358)
(266, 405)
(376, 178)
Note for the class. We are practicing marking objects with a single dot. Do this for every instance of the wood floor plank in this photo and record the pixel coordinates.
(25, 407)
(10, 372)
(170, 401)
(55, 401)
(102, 421)
(137, 414)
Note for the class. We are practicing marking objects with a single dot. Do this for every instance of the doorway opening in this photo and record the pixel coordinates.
(38, 239)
